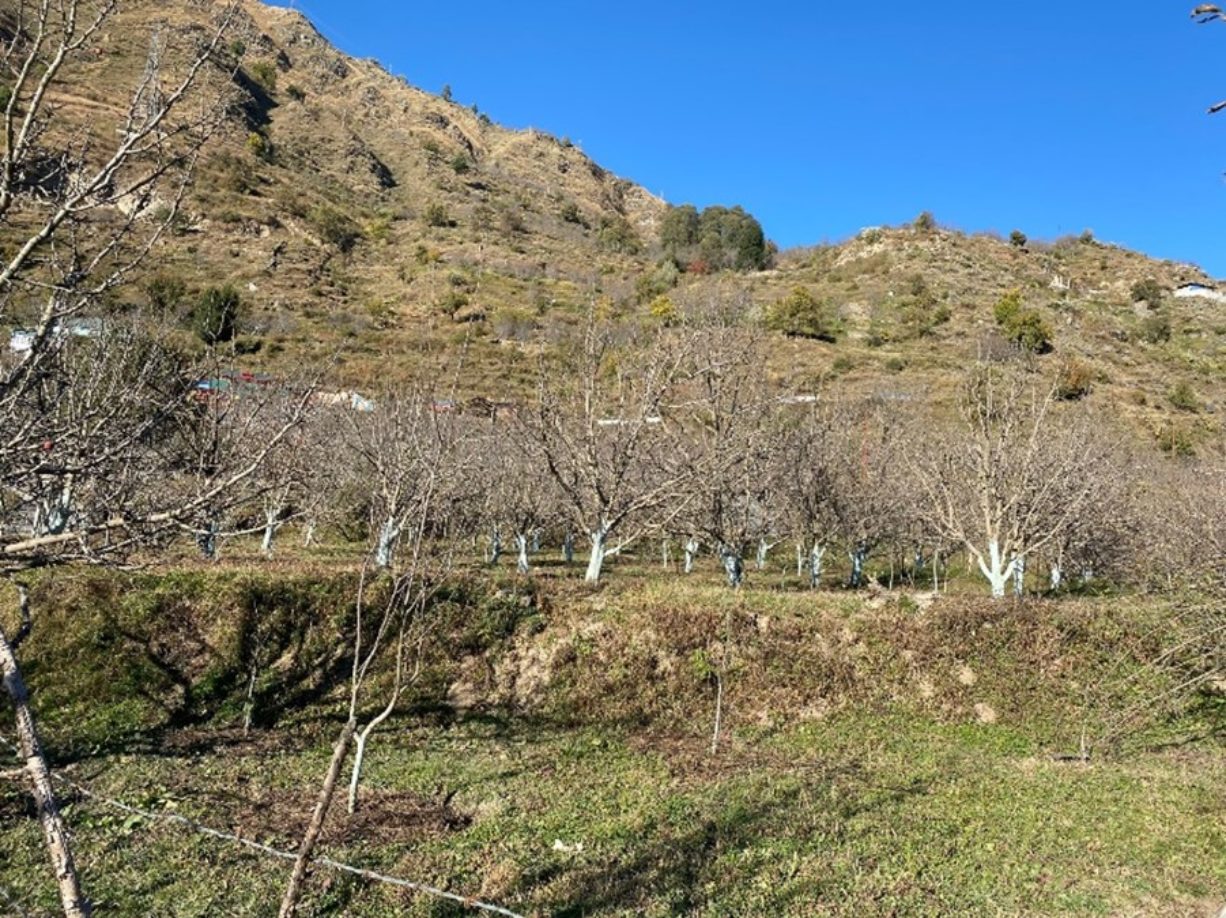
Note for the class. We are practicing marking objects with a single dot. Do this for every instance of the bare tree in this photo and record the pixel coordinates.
(600, 430)
(413, 453)
(521, 495)
(805, 485)
(729, 441)
(1013, 479)
(96, 455)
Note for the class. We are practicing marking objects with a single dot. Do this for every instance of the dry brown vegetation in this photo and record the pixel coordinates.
(372, 224)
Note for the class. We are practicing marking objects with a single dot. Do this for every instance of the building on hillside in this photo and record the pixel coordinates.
(21, 340)
(1196, 290)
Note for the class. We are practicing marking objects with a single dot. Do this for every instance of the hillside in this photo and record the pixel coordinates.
(372, 224)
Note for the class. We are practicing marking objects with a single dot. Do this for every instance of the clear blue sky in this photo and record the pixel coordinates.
(824, 117)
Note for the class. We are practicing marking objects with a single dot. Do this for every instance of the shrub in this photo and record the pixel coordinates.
(1086, 237)
(570, 213)
(1176, 440)
(1183, 397)
(215, 316)
(1031, 332)
(295, 92)
(802, 315)
(1148, 291)
(1024, 327)
(1018, 239)
(920, 311)
(657, 282)
(460, 164)
(265, 73)
(617, 235)
(451, 302)
(1156, 329)
(165, 293)
(436, 215)
(259, 146)
(446, 92)
(334, 227)
(1007, 307)
(664, 311)
(925, 222)
(1074, 381)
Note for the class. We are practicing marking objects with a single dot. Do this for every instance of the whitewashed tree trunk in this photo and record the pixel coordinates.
(734, 567)
(536, 541)
(207, 541)
(800, 559)
(389, 532)
(1056, 576)
(995, 569)
(1019, 576)
(691, 552)
(521, 562)
(595, 563)
(817, 555)
(495, 547)
(359, 750)
(857, 556)
(760, 559)
(59, 845)
(58, 511)
(308, 533)
(271, 525)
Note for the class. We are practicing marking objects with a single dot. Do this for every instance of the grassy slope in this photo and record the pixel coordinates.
(856, 776)
(510, 276)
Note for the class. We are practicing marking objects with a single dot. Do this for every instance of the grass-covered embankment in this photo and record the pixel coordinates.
(880, 756)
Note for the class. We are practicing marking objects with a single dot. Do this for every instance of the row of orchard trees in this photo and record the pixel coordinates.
(641, 433)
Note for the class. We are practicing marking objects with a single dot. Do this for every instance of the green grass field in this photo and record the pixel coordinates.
(880, 755)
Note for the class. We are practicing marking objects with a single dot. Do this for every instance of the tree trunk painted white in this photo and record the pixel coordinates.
(495, 547)
(58, 510)
(521, 561)
(936, 573)
(389, 532)
(595, 562)
(760, 559)
(359, 750)
(271, 525)
(734, 567)
(55, 833)
(536, 541)
(691, 552)
(800, 559)
(207, 541)
(857, 557)
(1056, 576)
(1019, 576)
(308, 534)
(665, 560)
(995, 570)
(568, 548)
(816, 555)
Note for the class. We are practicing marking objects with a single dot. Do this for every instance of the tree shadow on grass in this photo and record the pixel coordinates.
(678, 865)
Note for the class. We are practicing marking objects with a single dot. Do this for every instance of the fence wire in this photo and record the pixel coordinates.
(270, 851)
